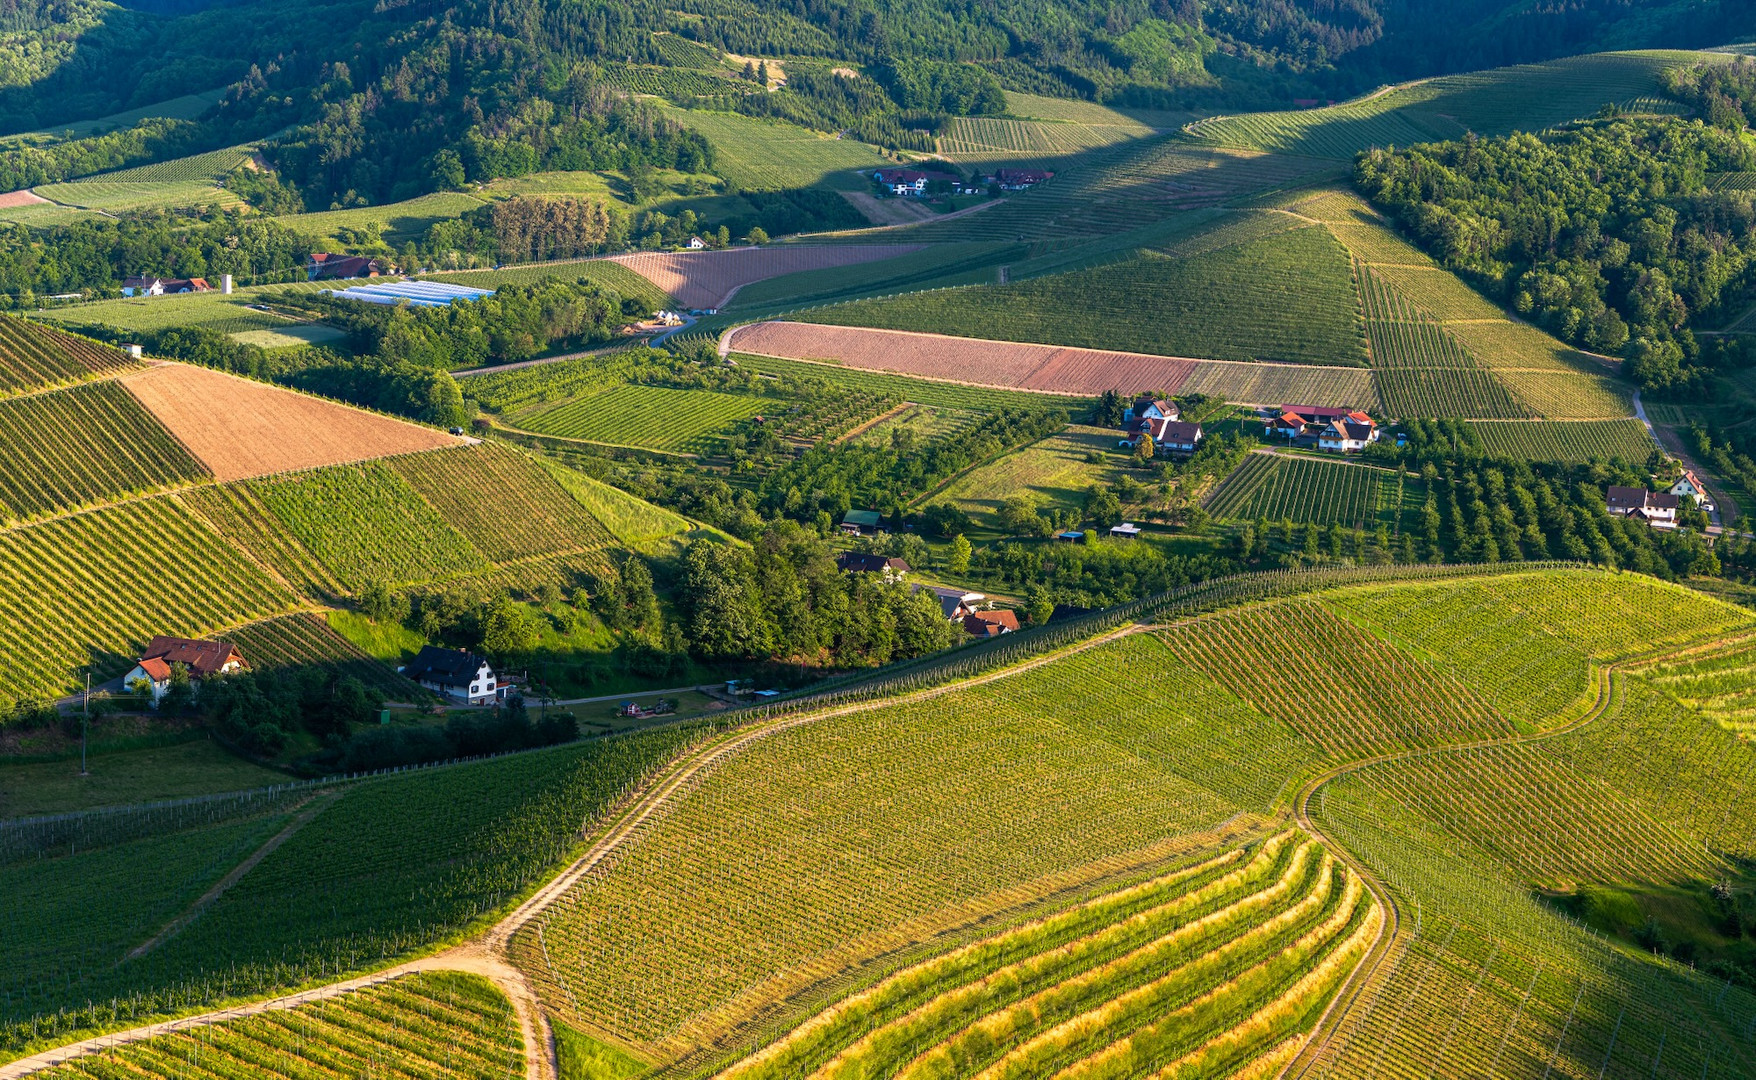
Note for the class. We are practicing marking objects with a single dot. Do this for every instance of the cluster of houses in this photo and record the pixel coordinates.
(150, 285)
(1658, 508)
(319, 266)
(960, 606)
(915, 183)
(1340, 431)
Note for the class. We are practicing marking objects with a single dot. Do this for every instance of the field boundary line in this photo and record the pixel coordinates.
(306, 811)
(856, 432)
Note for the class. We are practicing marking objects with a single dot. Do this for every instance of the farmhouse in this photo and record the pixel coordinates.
(1348, 434)
(1146, 407)
(1690, 485)
(990, 624)
(957, 604)
(857, 562)
(324, 266)
(911, 183)
(1020, 179)
(861, 522)
(1305, 421)
(1656, 508)
(200, 657)
(1125, 531)
(162, 286)
(457, 674)
(1174, 437)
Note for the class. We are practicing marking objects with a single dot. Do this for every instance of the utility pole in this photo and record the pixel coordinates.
(84, 723)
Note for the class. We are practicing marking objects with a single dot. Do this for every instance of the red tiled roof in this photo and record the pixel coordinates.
(156, 670)
(200, 656)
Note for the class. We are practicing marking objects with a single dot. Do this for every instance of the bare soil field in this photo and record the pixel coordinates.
(708, 279)
(1053, 368)
(240, 428)
(887, 211)
(20, 198)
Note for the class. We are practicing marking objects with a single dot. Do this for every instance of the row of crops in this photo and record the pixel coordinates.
(1418, 391)
(305, 640)
(1299, 489)
(502, 501)
(84, 445)
(236, 512)
(1199, 971)
(1568, 441)
(35, 357)
(390, 865)
(1288, 297)
(904, 388)
(434, 1023)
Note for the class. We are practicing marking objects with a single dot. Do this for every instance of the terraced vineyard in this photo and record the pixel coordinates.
(306, 640)
(237, 512)
(89, 590)
(654, 417)
(503, 502)
(84, 445)
(1195, 972)
(34, 357)
(365, 523)
(1311, 490)
(441, 1023)
(1288, 297)
(1720, 682)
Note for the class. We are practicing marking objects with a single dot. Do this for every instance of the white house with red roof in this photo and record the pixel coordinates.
(1348, 434)
(201, 658)
(1690, 485)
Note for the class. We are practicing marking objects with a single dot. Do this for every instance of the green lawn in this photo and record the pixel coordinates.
(770, 155)
(128, 776)
(1055, 470)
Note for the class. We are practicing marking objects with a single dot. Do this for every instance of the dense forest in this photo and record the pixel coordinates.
(1607, 233)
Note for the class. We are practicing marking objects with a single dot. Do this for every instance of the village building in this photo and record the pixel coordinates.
(324, 266)
(990, 624)
(1172, 437)
(1348, 434)
(457, 674)
(163, 286)
(200, 657)
(1020, 179)
(1691, 486)
(912, 183)
(957, 604)
(1656, 508)
(1125, 531)
(859, 562)
(862, 522)
(1146, 407)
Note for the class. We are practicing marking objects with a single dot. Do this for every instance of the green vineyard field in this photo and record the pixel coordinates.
(654, 417)
(1569, 442)
(85, 445)
(1311, 490)
(34, 357)
(503, 502)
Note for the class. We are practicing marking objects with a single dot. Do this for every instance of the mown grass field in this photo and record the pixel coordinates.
(655, 417)
(763, 155)
(1054, 471)
(398, 221)
(1283, 298)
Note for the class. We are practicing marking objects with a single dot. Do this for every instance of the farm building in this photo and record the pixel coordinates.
(1304, 421)
(861, 522)
(1691, 486)
(457, 674)
(957, 604)
(1348, 435)
(912, 183)
(990, 624)
(857, 562)
(1020, 179)
(1146, 407)
(200, 657)
(324, 266)
(413, 293)
(1125, 531)
(1175, 437)
(162, 286)
(1656, 508)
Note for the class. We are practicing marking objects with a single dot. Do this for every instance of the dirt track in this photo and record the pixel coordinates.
(240, 428)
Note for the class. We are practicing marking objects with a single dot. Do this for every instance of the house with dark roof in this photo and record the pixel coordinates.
(912, 183)
(990, 624)
(325, 266)
(859, 562)
(457, 674)
(862, 522)
(1021, 179)
(1348, 434)
(200, 657)
(955, 603)
(1656, 508)
(1147, 407)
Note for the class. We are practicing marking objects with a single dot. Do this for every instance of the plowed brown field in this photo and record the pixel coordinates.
(240, 428)
(20, 198)
(1053, 368)
(708, 279)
